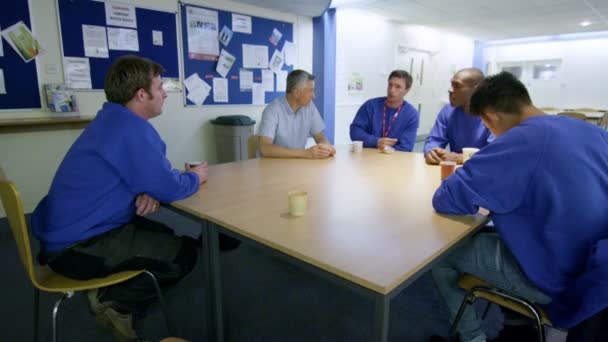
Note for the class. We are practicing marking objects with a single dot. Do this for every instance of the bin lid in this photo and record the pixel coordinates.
(233, 120)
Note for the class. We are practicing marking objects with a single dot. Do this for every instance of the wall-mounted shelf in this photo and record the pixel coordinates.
(43, 124)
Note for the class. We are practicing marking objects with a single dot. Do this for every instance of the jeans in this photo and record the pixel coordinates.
(140, 244)
(486, 257)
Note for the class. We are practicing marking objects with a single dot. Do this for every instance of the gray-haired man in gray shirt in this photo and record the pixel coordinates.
(288, 121)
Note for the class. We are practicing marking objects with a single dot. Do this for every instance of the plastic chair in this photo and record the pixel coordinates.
(585, 110)
(252, 147)
(477, 288)
(573, 114)
(42, 277)
(550, 109)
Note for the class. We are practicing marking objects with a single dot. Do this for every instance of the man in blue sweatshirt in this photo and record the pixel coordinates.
(544, 180)
(388, 121)
(454, 125)
(91, 223)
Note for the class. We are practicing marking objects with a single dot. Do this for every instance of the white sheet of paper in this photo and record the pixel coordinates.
(289, 52)
(220, 89)
(258, 96)
(2, 85)
(198, 90)
(202, 33)
(268, 80)
(95, 41)
(157, 38)
(241, 23)
(255, 56)
(119, 14)
(1, 45)
(276, 61)
(245, 79)
(224, 64)
(77, 72)
(282, 80)
(123, 39)
(275, 37)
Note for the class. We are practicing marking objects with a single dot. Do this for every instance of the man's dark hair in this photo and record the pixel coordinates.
(403, 75)
(501, 93)
(296, 78)
(129, 74)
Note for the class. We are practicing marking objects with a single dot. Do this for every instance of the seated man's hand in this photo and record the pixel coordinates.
(435, 156)
(318, 152)
(383, 142)
(145, 205)
(453, 156)
(200, 170)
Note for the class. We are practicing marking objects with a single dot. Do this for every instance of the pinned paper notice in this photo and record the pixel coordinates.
(275, 37)
(257, 94)
(241, 23)
(157, 38)
(268, 80)
(225, 35)
(255, 56)
(289, 53)
(276, 61)
(224, 64)
(282, 81)
(245, 79)
(220, 90)
(198, 90)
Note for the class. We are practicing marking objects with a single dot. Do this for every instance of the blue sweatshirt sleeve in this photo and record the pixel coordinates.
(496, 178)
(361, 127)
(407, 139)
(140, 161)
(439, 134)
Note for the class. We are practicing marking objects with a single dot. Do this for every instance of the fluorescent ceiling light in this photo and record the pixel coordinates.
(584, 23)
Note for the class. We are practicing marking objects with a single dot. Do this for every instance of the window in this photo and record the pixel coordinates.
(546, 71)
(515, 70)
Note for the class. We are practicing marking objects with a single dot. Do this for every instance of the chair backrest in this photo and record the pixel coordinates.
(252, 147)
(11, 200)
(550, 109)
(574, 115)
(585, 110)
(603, 121)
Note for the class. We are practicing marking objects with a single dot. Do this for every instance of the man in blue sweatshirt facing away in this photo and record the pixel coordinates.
(92, 222)
(388, 121)
(544, 180)
(454, 125)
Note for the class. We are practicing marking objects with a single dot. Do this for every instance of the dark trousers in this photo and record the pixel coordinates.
(593, 329)
(140, 244)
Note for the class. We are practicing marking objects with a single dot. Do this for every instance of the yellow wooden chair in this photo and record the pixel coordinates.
(573, 114)
(42, 277)
(477, 288)
(252, 146)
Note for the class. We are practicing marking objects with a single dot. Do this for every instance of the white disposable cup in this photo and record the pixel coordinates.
(357, 146)
(298, 201)
(468, 152)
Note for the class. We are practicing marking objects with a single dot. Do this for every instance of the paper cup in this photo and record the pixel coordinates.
(467, 153)
(298, 201)
(357, 146)
(447, 168)
(194, 163)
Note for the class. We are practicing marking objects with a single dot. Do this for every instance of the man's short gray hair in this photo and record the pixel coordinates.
(296, 78)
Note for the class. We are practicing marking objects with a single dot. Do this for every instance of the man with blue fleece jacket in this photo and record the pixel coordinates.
(454, 125)
(545, 182)
(388, 121)
(92, 223)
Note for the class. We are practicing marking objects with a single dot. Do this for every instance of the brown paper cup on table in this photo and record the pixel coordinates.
(357, 146)
(298, 201)
(468, 152)
(447, 168)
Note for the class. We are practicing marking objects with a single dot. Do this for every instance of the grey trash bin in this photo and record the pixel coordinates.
(231, 135)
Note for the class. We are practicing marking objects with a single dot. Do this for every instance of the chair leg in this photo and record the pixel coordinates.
(486, 310)
(468, 300)
(163, 305)
(36, 306)
(56, 311)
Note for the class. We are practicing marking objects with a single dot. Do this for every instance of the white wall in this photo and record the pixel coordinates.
(31, 159)
(584, 68)
(367, 44)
